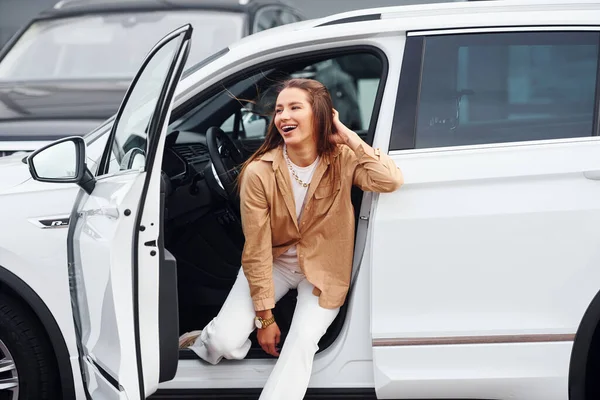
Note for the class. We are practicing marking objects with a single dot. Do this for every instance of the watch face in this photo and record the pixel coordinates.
(258, 323)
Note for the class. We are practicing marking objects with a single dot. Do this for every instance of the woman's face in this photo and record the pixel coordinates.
(294, 117)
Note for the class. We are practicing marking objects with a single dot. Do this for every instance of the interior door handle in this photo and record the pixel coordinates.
(593, 175)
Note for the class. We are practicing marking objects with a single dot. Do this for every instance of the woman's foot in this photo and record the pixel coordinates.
(188, 339)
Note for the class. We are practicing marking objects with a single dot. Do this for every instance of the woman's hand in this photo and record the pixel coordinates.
(268, 339)
(342, 135)
(341, 131)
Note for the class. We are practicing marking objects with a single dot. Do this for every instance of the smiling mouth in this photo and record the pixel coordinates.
(288, 128)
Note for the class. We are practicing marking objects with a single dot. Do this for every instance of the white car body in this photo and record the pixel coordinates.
(473, 280)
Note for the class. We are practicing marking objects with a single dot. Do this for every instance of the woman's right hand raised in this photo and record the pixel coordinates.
(268, 339)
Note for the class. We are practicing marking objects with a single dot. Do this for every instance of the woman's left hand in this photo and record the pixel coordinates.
(342, 133)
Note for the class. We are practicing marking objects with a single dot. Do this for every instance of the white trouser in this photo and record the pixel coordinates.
(226, 336)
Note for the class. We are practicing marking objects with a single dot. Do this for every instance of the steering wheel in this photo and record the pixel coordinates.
(226, 159)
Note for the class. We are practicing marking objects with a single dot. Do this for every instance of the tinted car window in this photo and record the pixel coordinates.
(288, 17)
(266, 19)
(271, 17)
(506, 87)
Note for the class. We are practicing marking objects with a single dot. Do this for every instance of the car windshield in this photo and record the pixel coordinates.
(111, 45)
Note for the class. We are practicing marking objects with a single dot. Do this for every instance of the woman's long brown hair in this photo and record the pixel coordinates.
(322, 108)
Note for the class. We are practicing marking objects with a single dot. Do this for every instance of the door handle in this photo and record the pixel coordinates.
(593, 175)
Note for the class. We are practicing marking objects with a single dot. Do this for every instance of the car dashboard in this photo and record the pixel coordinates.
(186, 161)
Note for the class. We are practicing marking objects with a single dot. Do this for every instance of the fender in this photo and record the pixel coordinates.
(580, 361)
(30, 297)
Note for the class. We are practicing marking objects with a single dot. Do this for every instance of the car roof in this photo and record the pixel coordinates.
(65, 8)
(450, 14)
(461, 15)
(459, 8)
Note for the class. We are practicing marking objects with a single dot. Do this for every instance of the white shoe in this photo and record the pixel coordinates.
(188, 339)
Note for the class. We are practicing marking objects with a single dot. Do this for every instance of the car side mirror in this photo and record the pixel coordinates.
(255, 125)
(134, 159)
(256, 128)
(62, 161)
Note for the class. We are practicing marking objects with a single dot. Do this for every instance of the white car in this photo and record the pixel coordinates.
(478, 279)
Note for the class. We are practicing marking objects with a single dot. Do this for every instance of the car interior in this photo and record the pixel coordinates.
(207, 142)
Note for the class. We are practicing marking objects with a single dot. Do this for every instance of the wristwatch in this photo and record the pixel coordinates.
(262, 323)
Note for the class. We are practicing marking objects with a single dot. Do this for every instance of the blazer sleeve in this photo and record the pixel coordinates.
(376, 174)
(257, 256)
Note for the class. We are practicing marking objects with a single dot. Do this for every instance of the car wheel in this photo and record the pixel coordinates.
(27, 365)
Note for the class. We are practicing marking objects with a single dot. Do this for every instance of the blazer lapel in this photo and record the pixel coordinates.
(285, 185)
(284, 182)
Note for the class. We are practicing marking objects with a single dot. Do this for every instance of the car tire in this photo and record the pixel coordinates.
(25, 344)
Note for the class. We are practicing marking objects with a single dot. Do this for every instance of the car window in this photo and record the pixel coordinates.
(266, 19)
(271, 17)
(287, 17)
(243, 108)
(353, 91)
(506, 87)
(130, 140)
(111, 45)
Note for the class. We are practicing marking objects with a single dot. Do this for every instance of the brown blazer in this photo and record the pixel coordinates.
(325, 235)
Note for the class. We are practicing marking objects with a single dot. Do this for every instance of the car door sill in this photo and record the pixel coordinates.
(254, 393)
(253, 354)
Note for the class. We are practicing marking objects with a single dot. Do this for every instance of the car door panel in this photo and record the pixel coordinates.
(168, 311)
(484, 263)
(476, 253)
(108, 337)
(117, 243)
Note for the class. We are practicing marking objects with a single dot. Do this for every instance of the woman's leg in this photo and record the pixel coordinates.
(226, 335)
(289, 379)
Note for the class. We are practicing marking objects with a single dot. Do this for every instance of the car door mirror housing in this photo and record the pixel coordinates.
(62, 161)
(256, 127)
(134, 159)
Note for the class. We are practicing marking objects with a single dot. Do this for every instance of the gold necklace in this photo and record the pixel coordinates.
(293, 171)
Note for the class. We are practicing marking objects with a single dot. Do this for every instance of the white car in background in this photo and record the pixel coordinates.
(478, 279)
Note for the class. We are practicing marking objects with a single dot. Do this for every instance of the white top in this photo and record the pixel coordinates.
(289, 259)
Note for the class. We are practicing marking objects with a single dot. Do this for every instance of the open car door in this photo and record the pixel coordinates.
(126, 329)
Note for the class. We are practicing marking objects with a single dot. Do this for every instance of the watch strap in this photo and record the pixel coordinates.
(267, 322)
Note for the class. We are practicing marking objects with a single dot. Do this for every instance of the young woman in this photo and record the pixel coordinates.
(298, 222)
